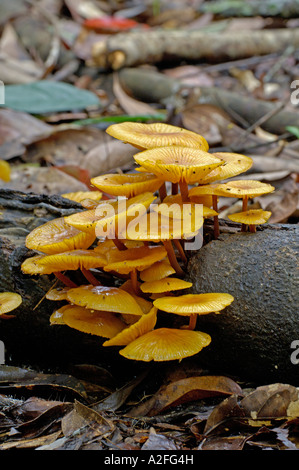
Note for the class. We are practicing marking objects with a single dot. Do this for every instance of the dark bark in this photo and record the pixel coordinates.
(252, 337)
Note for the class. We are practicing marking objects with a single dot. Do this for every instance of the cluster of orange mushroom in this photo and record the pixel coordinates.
(146, 260)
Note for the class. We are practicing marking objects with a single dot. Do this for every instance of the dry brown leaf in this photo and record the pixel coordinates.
(88, 148)
(272, 401)
(186, 390)
(42, 180)
(284, 201)
(227, 408)
(81, 416)
(18, 129)
(17, 65)
(206, 120)
(159, 442)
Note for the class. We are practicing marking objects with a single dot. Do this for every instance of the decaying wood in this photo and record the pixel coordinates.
(273, 117)
(227, 8)
(252, 338)
(251, 110)
(154, 46)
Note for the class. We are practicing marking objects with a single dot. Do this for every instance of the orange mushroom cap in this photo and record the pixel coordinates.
(71, 261)
(110, 299)
(144, 324)
(128, 184)
(99, 323)
(154, 227)
(146, 136)
(80, 196)
(194, 303)
(165, 284)
(5, 171)
(178, 164)
(234, 164)
(241, 188)
(134, 258)
(166, 344)
(108, 215)
(251, 217)
(57, 236)
(157, 271)
(9, 301)
(57, 294)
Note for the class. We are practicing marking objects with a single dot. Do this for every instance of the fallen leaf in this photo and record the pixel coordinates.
(158, 442)
(18, 129)
(47, 96)
(42, 180)
(186, 390)
(272, 401)
(82, 415)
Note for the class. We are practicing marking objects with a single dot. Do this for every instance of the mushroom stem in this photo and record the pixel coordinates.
(184, 191)
(66, 281)
(192, 321)
(172, 258)
(252, 228)
(181, 250)
(174, 188)
(244, 209)
(216, 220)
(245, 203)
(134, 280)
(90, 277)
(162, 192)
(119, 244)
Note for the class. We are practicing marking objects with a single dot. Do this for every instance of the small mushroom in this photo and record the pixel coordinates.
(166, 344)
(110, 299)
(128, 184)
(252, 218)
(157, 271)
(234, 164)
(84, 260)
(4, 171)
(244, 189)
(80, 196)
(194, 304)
(9, 301)
(167, 284)
(181, 165)
(57, 236)
(143, 325)
(94, 322)
(59, 293)
(146, 136)
(133, 260)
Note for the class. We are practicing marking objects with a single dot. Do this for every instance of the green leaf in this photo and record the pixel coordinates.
(293, 130)
(48, 97)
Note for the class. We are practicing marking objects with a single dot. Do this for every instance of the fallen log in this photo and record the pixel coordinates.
(146, 85)
(251, 339)
(251, 110)
(155, 46)
(267, 8)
